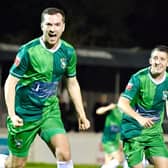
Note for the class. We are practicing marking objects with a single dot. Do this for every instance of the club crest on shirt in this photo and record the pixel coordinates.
(129, 86)
(18, 143)
(17, 61)
(165, 95)
(63, 63)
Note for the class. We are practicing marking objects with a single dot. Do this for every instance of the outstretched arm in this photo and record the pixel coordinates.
(104, 109)
(75, 94)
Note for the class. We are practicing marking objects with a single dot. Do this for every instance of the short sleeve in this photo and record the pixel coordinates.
(132, 88)
(20, 64)
(71, 67)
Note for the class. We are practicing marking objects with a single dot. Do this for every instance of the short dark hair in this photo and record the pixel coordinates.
(52, 11)
(162, 48)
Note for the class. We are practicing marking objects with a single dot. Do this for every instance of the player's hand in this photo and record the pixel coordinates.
(84, 123)
(17, 121)
(145, 122)
(100, 110)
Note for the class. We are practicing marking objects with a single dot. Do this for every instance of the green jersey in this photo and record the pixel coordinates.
(111, 133)
(112, 125)
(40, 70)
(147, 99)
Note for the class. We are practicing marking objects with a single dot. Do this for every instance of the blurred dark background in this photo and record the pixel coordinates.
(110, 23)
(124, 30)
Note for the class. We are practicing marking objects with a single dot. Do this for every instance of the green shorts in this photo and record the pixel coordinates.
(110, 141)
(150, 145)
(111, 146)
(20, 138)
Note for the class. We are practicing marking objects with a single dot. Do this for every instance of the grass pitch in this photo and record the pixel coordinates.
(43, 165)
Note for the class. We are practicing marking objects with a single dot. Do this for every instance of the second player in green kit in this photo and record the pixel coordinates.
(143, 104)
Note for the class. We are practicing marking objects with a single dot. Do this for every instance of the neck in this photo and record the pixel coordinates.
(50, 46)
(157, 76)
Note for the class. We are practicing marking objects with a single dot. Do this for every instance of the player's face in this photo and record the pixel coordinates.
(52, 27)
(159, 62)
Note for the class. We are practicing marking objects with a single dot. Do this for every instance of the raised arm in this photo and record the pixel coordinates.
(104, 109)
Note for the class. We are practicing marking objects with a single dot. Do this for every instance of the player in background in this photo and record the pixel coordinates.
(143, 104)
(111, 143)
(31, 93)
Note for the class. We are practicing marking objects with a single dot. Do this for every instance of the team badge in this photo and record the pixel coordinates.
(18, 143)
(63, 63)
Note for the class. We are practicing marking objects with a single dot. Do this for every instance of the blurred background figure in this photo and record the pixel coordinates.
(111, 143)
(98, 121)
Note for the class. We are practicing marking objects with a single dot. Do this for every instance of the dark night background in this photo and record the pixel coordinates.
(112, 24)
(109, 23)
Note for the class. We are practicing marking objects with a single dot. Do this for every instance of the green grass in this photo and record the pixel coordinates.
(43, 165)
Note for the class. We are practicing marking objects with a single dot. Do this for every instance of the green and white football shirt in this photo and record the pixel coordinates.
(40, 71)
(146, 96)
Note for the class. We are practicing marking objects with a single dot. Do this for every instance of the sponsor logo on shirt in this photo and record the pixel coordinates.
(17, 61)
(129, 86)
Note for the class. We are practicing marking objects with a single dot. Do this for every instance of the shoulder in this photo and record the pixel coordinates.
(142, 72)
(66, 44)
(67, 47)
(33, 43)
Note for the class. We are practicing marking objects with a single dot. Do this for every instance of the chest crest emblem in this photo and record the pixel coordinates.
(63, 63)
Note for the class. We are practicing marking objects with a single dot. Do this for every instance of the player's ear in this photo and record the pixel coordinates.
(167, 64)
(167, 61)
(150, 60)
(41, 26)
(63, 29)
